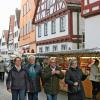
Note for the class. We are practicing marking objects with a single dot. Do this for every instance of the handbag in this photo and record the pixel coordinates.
(76, 89)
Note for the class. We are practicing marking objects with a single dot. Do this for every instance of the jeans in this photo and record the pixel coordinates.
(33, 96)
(51, 97)
(95, 89)
(18, 93)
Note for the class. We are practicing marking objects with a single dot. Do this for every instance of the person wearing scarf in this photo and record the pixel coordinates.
(34, 74)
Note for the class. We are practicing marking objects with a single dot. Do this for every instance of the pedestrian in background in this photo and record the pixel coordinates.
(51, 75)
(2, 70)
(17, 80)
(74, 77)
(95, 78)
(34, 75)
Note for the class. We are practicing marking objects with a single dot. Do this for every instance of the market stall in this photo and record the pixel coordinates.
(85, 58)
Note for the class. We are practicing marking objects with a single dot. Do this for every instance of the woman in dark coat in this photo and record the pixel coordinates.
(74, 77)
(34, 74)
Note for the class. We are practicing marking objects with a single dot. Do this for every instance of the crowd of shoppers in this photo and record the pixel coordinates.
(26, 78)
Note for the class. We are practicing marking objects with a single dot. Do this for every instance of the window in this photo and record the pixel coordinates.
(26, 29)
(24, 11)
(27, 6)
(15, 23)
(63, 47)
(45, 29)
(39, 31)
(30, 26)
(21, 31)
(62, 24)
(16, 45)
(53, 27)
(40, 49)
(47, 49)
(3, 36)
(3, 43)
(48, 4)
(15, 34)
(55, 48)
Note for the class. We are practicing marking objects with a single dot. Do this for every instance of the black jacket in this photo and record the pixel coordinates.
(75, 75)
(17, 79)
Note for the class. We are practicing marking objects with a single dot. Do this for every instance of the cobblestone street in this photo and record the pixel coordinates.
(5, 95)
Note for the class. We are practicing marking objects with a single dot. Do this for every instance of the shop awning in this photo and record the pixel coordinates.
(95, 52)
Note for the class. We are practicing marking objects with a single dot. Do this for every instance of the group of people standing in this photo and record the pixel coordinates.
(27, 79)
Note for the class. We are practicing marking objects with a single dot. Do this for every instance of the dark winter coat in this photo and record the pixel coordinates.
(17, 79)
(51, 82)
(75, 75)
(34, 82)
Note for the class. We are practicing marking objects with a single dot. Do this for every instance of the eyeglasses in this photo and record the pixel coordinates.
(74, 63)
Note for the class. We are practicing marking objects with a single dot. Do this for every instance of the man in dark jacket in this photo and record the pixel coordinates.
(51, 74)
(17, 81)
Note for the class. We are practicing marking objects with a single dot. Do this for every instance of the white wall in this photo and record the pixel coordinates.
(92, 32)
(70, 45)
(4, 47)
(81, 24)
(15, 30)
(50, 35)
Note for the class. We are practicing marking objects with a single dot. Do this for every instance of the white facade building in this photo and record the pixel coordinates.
(4, 38)
(91, 13)
(59, 26)
(16, 31)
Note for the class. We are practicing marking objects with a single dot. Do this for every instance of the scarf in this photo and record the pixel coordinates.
(32, 72)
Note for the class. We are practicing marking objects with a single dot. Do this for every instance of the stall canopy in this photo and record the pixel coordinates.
(94, 52)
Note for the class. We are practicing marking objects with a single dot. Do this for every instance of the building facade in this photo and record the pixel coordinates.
(11, 35)
(91, 13)
(16, 31)
(4, 42)
(59, 25)
(27, 41)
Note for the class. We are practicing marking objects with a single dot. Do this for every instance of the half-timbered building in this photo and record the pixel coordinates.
(59, 25)
(91, 13)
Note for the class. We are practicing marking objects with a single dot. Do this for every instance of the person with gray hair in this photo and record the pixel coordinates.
(34, 74)
(52, 75)
(74, 77)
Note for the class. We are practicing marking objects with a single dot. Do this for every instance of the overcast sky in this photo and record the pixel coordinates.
(7, 8)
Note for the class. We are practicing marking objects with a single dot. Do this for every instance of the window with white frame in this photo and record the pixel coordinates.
(55, 48)
(40, 49)
(48, 4)
(26, 29)
(62, 23)
(15, 23)
(27, 4)
(53, 27)
(39, 31)
(47, 49)
(30, 25)
(46, 29)
(16, 45)
(15, 34)
(63, 47)
(24, 11)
